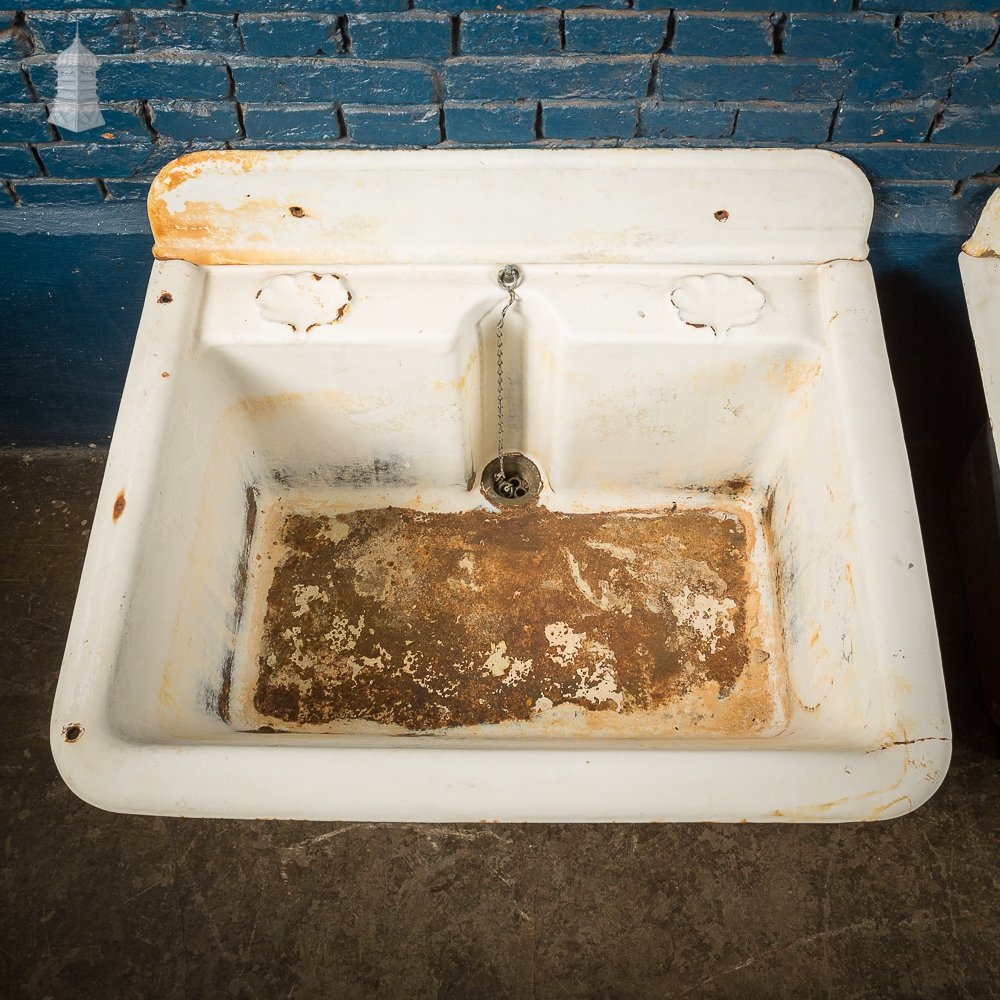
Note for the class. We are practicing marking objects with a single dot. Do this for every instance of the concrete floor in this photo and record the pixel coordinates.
(100, 905)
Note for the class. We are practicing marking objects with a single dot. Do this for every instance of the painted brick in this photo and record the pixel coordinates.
(192, 121)
(773, 78)
(283, 144)
(506, 79)
(965, 126)
(901, 78)
(102, 32)
(17, 161)
(291, 34)
(122, 123)
(310, 6)
(722, 35)
(490, 123)
(77, 160)
(456, 7)
(756, 6)
(12, 85)
(127, 190)
(903, 205)
(98, 4)
(928, 6)
(961, 34)
(862, 36)
(899, 121)
(502, 33)
(767, 122)
(412, 35)
(977, 83)
(975, 192)
(926, 207)
(685, 120)
(922, 160)
(393, 126)
(126, 78)
(350, 81)
(24, 123)
(15, 42)
(601, 31)
(589, 120)
(291, 122)
(46, 191)
(184, 29)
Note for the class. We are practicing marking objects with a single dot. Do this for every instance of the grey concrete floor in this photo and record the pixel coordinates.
(101, 905)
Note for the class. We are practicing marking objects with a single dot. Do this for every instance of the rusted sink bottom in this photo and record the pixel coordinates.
(625, 622)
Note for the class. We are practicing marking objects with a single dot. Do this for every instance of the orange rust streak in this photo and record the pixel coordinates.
(119, 507)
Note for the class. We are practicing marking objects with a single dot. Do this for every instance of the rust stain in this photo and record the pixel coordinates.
(165, 298)
(735, 485)
(72, 732)
(296, 211)
(341, 312)
(881, 810)
(119, 507)
(191, 165)
(983, 241)
(185, 234)
(437, 621)
(803, 814)
(722, 215)
(461, 383)
(792, 375)
(164, 374)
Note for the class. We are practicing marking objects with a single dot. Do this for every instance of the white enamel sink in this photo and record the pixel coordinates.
(696, 365)
(980, 266)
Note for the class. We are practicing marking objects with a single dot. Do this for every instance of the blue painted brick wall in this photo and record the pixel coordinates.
(290, 34)
(906, 88)
(493, 32)
(498, 123)
(699, 34)
(589, 119)
(414, 35)
(615, 32)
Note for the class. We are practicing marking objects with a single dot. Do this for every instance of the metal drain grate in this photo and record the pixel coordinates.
(517, 484)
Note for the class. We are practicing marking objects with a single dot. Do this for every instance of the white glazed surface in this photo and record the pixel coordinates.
(623, 404)
(980, 266)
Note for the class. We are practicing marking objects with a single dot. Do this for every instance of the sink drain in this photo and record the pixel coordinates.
(516, 484)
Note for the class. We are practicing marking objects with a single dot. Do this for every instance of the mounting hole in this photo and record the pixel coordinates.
(72, 732)
(721, 215)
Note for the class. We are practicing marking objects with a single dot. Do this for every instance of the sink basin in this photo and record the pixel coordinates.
(297, 601)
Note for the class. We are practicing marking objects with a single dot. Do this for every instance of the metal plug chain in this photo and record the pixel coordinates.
(508, 279)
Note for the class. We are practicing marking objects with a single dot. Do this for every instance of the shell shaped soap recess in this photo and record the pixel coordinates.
(719, 301)
(304, 301)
